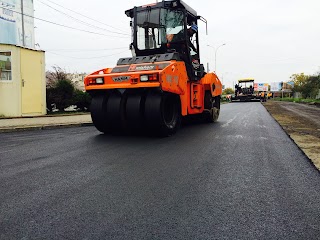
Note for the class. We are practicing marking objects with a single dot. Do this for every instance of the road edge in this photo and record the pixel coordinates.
(311, 161)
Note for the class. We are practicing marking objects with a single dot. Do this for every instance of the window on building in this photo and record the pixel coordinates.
(5, 66)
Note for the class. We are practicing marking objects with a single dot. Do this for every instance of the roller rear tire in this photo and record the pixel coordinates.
(162, 113)
(115, 112)
(134, 111)
(212, 107)
(98, 111)
(107, 111)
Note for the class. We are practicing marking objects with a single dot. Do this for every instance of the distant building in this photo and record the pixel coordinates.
(77, 80)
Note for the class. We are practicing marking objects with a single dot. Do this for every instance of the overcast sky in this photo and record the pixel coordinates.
(268, 40)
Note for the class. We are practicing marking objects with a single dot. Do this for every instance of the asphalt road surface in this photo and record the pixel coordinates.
(241, 178)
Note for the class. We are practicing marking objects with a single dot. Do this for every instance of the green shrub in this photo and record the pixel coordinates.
(81, 99)
(60, 94)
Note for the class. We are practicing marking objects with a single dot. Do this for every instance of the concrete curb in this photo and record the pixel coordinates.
(45, 116)
(44, 127)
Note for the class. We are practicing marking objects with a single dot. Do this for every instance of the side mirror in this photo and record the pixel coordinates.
(133, 52)
(202, 71)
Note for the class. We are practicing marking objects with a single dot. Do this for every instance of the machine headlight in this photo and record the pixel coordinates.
(144, 78)
(99, 80)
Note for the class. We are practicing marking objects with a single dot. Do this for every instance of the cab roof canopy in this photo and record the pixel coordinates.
(179, 4)
(246, 80)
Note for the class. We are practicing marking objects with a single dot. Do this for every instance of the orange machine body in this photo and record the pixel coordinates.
(168, 76)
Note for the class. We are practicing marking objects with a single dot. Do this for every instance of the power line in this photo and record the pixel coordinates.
(85, 23)
(87, 58)
(61, 25)
(85, 50)
(85, 16)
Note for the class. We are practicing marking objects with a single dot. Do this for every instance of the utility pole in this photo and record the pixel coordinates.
(22, 19)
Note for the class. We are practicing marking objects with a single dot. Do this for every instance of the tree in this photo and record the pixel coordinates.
(308, 85)
(50, 98)
(64, 93)
(299, 81)
(228, 91)
(59, 89)
(53, 76)
(311, 87)
(61, 92)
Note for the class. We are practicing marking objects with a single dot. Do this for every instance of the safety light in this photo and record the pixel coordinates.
(153, 77)
(150, 77)
(91, 81)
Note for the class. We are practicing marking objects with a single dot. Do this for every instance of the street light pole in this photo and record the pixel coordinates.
(215, 58)
(215, 55)
(208, 63)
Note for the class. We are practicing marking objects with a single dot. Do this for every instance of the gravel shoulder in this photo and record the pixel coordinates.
(302, 123)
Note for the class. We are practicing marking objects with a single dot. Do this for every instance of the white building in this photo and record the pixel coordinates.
(77, 80)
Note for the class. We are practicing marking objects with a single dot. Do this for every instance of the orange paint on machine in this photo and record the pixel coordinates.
(163, 82)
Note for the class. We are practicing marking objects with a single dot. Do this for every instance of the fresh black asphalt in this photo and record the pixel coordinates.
(240, 178)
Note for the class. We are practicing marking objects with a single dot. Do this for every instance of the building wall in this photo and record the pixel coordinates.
(33, 89)
(11, 90)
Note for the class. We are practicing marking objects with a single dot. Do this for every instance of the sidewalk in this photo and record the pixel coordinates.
(44, 122)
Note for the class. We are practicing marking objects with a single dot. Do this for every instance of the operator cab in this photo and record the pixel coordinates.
(244, 87)
(162, 28)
